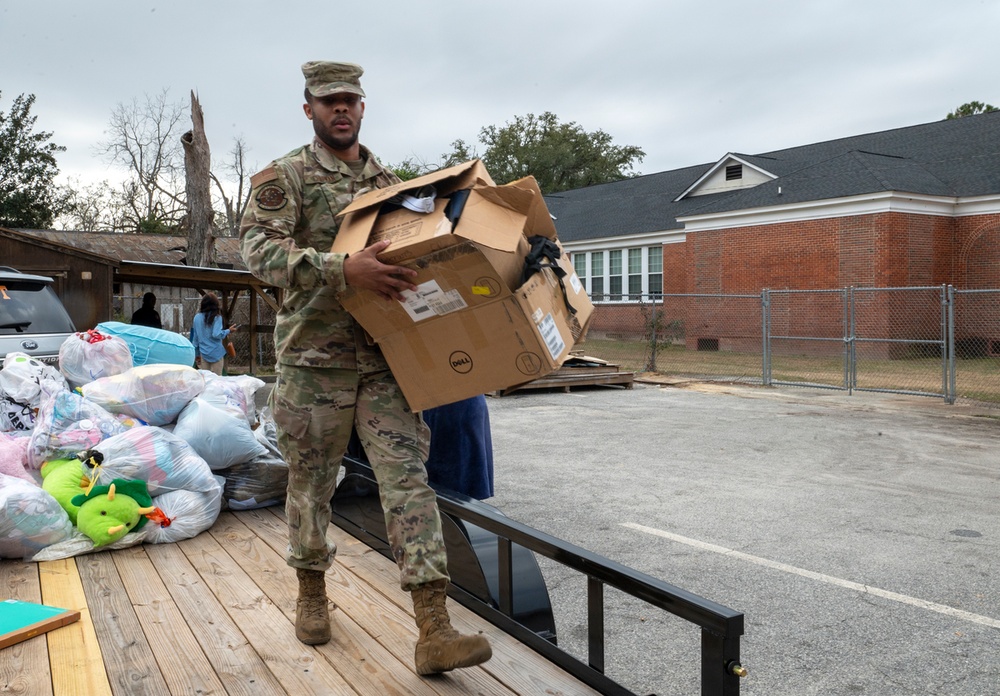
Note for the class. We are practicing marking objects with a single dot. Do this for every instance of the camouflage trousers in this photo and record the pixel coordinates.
(314, 410)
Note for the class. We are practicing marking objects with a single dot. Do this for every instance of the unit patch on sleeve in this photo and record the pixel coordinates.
(271, 197)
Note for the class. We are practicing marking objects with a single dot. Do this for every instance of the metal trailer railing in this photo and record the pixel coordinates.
(721, 627)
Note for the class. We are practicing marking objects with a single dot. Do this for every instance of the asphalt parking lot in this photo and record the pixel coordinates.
(859, 534)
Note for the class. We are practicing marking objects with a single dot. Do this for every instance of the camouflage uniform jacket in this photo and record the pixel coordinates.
(286, 234)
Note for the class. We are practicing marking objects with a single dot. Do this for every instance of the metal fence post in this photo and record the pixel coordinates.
(951, 390)
(850, 356)
(765, 332)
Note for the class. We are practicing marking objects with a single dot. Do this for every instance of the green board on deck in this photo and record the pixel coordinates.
(23, 620)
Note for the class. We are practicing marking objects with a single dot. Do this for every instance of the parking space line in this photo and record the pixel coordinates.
(829, 579)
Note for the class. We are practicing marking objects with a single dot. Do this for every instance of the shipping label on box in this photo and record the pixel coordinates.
(430, 300)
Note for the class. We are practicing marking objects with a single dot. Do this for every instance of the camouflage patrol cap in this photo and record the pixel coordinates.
(324, 77)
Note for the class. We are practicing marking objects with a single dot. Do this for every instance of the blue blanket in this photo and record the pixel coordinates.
(461, 455)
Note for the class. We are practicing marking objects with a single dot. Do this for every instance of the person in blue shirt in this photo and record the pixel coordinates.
(207, 334)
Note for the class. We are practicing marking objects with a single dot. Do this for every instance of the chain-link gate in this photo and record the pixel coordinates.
(899, 340)
(975, 369)
(859, 339)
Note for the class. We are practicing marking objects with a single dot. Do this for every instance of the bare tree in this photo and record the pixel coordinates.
(198, 168)
(234, 200)
(95, 208)
(153, 198)
(143, 139)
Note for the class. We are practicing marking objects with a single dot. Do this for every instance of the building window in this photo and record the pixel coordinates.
(654, 270)
(734, 172)
(615, 274)
(621, 275)
(597, 274)
(635, 274)
(580, 267)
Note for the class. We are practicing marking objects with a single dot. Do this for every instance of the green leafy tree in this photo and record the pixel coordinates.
(971, 109)
(29, 197)
(561, 156)
(410, 168)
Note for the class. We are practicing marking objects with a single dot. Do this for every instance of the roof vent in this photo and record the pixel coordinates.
(734, 172)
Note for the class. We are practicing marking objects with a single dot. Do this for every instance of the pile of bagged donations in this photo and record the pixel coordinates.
(126, 443)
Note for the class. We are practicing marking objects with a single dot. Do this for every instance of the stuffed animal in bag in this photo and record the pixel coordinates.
(107, 513)
(64, 479)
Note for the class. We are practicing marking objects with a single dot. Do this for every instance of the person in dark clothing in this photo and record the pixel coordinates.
(146, 315)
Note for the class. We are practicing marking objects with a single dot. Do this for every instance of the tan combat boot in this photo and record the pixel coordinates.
(312, 614)
(440, 647)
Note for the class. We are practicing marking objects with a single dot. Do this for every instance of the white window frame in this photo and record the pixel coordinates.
(584, 260)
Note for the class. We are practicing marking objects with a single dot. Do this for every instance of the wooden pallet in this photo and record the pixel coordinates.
(579, 371)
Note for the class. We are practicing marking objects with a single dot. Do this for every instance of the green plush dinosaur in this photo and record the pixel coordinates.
(107, 513)
(65, 479)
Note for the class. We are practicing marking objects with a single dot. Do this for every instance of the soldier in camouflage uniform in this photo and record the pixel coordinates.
(330, 380)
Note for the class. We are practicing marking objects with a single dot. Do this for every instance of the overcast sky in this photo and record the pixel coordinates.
(685, 80)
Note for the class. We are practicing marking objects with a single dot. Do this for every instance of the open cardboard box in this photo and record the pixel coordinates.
(471, 327)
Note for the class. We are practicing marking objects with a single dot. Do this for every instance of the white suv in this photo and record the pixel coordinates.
(32, 319)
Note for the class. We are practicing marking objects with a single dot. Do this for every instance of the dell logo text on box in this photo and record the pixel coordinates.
(529, 363)
(460, 362)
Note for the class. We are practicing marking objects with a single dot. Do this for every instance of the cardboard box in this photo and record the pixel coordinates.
(471, 327)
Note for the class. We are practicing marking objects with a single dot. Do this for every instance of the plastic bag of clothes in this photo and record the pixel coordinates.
(14, 456)
(263, 480)
(154, 455)
(182, 486)
(155, 394)
(89, 355)
(220, 437)
(67, 424)
(185, 493)
(30, 519)
(28, 381)
(236, 393)
(15, 416)
(189, 514)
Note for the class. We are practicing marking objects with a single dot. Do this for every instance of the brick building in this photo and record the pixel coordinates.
(915, 206)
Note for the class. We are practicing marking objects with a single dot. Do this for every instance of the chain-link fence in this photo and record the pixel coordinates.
(933, 341)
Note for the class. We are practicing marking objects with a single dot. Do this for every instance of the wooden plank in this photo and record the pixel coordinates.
(74, 650)
(24, 668)
(240, 668)
(367, 666)
(181, 660)
(390, 621)
(513, 664)
(565, 381)
(297, 667)
(128, 658)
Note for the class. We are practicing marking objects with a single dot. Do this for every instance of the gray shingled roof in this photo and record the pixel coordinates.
(959, 157)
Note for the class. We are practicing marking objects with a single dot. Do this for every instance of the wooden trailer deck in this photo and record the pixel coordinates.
(214, 615)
